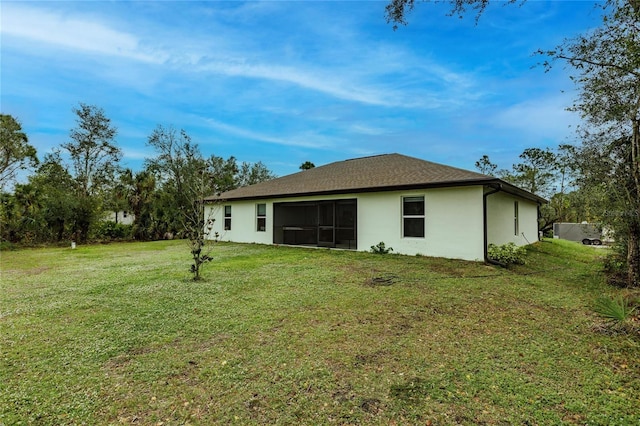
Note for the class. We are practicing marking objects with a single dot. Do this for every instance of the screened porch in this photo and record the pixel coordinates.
(329, 223)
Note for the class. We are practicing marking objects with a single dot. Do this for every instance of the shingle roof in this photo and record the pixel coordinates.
(368, 174)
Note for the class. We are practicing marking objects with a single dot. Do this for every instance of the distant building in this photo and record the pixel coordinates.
(123, 217)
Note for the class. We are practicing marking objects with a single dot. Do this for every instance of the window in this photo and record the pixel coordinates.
(413, 217)
(516, 221)
(227, 218)
(261, 214)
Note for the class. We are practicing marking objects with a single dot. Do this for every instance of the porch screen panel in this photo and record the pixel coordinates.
(295, 223)
(346, 214)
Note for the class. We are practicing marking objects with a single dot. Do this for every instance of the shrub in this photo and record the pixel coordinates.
(108, 230)
(381, 248)
(509, 254)
(616, 310)
(7, 245)
(615, 267)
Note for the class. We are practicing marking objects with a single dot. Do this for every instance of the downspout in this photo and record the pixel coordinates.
(539, 217)
(497, 188)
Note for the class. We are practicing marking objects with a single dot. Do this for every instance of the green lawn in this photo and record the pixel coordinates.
(117, 334)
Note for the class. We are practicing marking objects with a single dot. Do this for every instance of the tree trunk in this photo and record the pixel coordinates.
(633, 244)
(633, 255)
(60, 226)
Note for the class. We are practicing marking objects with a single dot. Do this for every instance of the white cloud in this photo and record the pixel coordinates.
(364, 79)
(74, 33)
(307, 140)
(542, 117)
(365, 129)
(315, 80)
(136, 154)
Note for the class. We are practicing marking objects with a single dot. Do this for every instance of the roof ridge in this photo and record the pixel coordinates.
(369, 156)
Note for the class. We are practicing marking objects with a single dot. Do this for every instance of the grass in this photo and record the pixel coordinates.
(117, 334)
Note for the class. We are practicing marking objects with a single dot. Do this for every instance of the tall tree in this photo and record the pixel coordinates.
(92, 149)
(485, 166)
(396, 11)
(228, 175)
(307, 165)
(94, 159)
(15, 151)
(24, 220)
(42, 209)
(536, 172)
(225, 172)
(173, 165)
(58, 198)
(250, 174)
(566, 175)
(140, 193)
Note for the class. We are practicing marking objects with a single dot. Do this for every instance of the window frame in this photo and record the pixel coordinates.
(227, 218)
(422, 216)
(261, 218)
(516, 218)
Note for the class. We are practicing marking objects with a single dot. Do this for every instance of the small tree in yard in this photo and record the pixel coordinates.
(187, 178)
(199, 234)
(197, 224)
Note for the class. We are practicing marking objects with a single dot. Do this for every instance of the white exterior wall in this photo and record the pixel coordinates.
(453, 218)
(453, 221)
(500, 220)
(244, 222)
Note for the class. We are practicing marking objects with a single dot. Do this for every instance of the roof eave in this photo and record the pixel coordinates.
(514, 190)
(406, 187)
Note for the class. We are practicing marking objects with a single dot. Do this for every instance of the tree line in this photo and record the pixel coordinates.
(70, 190)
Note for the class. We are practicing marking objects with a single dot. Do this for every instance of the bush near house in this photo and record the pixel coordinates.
(381, 248)
(507, 254)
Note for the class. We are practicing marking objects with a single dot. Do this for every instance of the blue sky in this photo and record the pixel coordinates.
(284, 82)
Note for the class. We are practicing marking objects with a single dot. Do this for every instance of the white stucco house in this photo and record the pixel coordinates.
(412, 205)
(123, 217)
